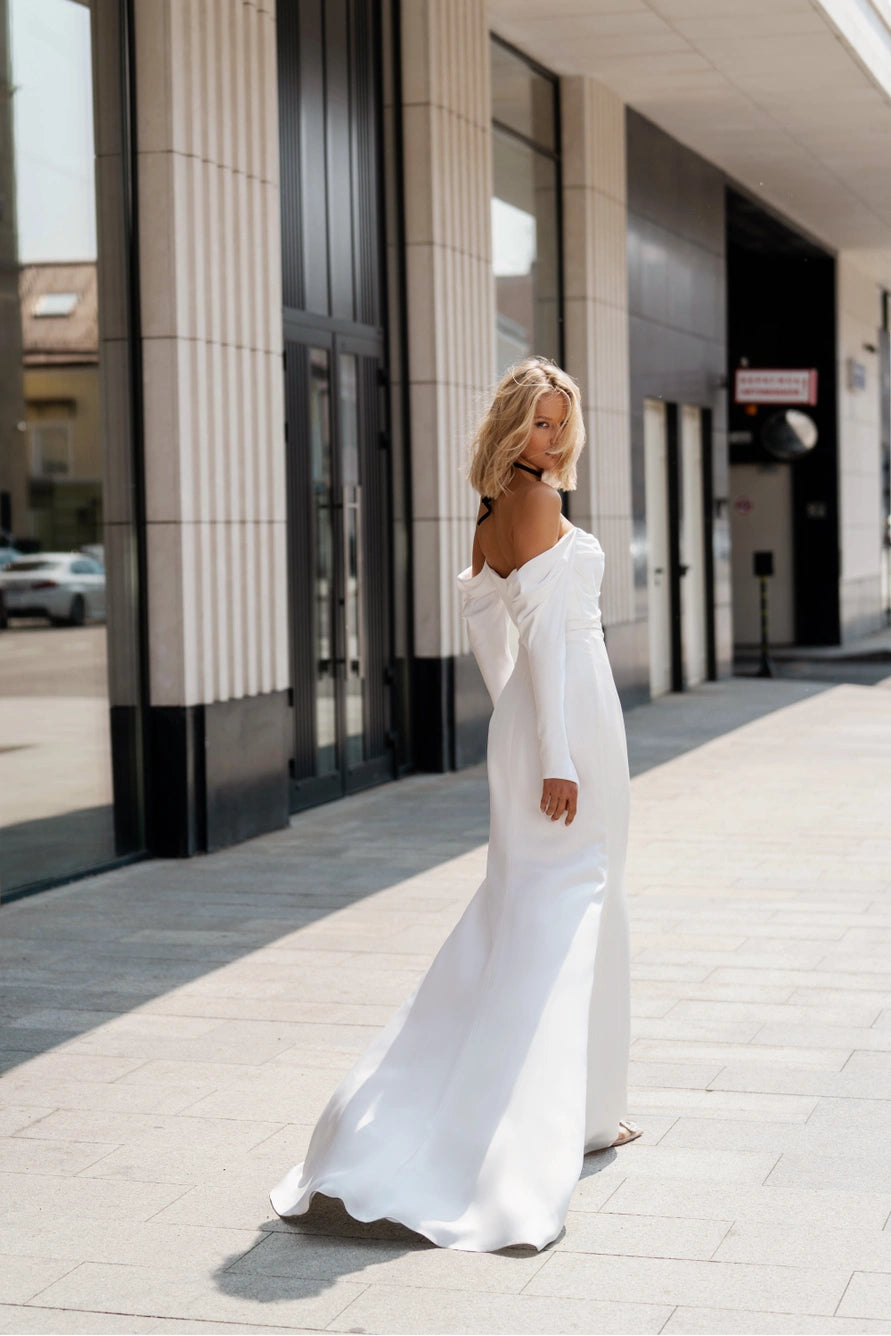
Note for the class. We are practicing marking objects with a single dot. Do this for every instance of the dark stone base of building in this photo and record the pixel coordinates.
(218, 773)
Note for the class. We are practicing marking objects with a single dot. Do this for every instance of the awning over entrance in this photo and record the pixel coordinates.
(792, 98)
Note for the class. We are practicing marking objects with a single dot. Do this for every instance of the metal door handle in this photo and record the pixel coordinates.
(354, 618)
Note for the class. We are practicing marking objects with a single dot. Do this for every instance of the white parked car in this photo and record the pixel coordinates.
(63, 586)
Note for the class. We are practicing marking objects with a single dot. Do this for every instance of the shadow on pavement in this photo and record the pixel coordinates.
(310, 1253)
(63, 842)
(79, 956)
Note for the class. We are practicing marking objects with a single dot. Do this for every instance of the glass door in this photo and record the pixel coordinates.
(339, 566)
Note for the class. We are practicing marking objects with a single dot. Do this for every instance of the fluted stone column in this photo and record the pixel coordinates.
(859, 453)
(210, 274)
(596, 324)
(451, 333)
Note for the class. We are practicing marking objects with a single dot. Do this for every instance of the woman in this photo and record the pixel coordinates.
(467, 1119)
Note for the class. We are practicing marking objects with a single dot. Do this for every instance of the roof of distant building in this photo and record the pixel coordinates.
(60, 316)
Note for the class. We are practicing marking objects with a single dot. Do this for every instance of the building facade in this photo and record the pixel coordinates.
(306, 237)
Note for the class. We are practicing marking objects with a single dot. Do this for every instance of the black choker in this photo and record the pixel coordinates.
(536, 473)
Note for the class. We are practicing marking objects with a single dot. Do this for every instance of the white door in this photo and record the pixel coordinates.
(693, 609)
(658, 587)
(761, 521)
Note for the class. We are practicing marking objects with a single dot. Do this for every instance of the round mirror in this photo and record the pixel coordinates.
(789, 434)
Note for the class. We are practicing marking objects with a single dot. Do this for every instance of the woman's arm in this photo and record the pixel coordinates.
(542, 579)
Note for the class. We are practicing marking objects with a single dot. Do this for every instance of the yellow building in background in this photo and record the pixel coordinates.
(62, 428)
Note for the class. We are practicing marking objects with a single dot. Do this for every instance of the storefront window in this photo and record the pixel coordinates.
(525, 208)
(69, 799)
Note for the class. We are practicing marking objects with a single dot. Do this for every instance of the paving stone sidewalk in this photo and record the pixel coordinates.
(170, 1032)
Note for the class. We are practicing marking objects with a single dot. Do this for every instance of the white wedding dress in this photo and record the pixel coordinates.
(467, 1118)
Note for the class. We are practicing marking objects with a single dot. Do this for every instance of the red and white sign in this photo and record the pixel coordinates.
(763, 385)
(743, 505)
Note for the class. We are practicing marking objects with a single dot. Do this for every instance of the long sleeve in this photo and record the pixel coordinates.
(539, 599)
(488, 629)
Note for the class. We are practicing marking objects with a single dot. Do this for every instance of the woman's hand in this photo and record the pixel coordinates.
(559, 796)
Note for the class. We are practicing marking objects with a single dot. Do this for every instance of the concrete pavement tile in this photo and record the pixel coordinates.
(39, 1156)
(101, 1095)
(867, 1296)
(153, 1292)
(820, 1245)
(164, 1071)
(758, 956)
(849, 1083)
(60, 1065)
(676, 1030)
(871, 1117)
(724, 1322)
(23, 1277)
(649, 1006)
(162, 1130)
(135, 1242)
(288, 1145)
(725, 1104)
(853, 1011)
(14, 1117)
(719, 1166)
(195, 1327)
(758, 934)
(736, 1134)
(845, 1166)
(283, 1094)
(217, 1046)
(29, 1198)
(646, 970)
(793, 1208)
(683, 941)
(642, 1236)
(276, 1009)
(840, 981)
(409, 1311)
(596, 1184)
(699, 1284)
(78, 1020)
(236, 1200)
(871, 1063)
(185, 1164)
(655, 1050)
(846, 1037)
(407, 1262)
(332, 1060)
(20, 1320)
(674, 1075)
(876, 964)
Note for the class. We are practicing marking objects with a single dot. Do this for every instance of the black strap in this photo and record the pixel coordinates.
(536, 473)
(487, 502)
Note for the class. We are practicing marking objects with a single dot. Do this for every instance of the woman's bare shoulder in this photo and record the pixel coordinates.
(536, 522)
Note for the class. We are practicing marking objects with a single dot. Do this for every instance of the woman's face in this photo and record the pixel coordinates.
(543, 449)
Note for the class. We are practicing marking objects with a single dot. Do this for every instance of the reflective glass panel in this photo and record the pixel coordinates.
(525, 249)
(64, 688)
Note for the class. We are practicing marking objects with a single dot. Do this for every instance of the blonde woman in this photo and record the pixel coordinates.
(467, 1119)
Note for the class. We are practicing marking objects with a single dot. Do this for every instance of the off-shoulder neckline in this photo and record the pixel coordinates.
(553, 548)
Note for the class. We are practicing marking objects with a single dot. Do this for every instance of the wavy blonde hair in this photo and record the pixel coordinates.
(503, 434)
